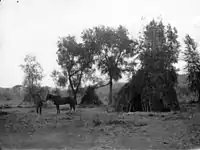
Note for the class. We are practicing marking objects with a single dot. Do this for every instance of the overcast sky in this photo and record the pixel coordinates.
(33, 26)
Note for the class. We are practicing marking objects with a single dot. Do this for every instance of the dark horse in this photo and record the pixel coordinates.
(58, 100)
(38, 103)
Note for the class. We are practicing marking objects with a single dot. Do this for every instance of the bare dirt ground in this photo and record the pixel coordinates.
(94, 128)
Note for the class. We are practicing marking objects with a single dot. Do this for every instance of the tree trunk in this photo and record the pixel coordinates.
(198, 102)
(110, 94)
(75, 98)
(72, 88)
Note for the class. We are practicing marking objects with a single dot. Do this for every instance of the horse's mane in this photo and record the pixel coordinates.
(67, 97)
(37, 94)
(59, 96)
(54, 95)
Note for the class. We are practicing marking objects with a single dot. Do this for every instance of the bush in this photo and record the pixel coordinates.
(90, 97)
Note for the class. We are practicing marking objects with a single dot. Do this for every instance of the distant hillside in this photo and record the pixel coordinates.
(15, 94)
(104, 91)
(12, 95)
(182, 80)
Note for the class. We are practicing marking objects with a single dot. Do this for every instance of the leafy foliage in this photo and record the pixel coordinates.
(33, 71)
(112, 48)
(159, 49)
(59, 79)
(75, 61)
(33, 75)
(192, 58)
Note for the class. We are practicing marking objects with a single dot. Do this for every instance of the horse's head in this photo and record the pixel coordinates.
(48, 96)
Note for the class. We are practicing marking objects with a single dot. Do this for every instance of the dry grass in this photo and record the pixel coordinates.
(91, 128)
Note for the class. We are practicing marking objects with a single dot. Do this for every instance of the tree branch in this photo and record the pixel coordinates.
(79, 82)
(96, 86)
(75, 72)
(71, 84)
(118, 57)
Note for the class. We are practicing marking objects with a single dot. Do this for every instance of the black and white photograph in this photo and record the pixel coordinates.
(99, 74)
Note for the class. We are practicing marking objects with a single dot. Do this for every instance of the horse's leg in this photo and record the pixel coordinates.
(40, 110)
(74, 108)
(37, 109)
(71, 108)
(58, 109)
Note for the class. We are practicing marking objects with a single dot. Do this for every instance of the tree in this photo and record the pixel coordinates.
(59, 80)
(192, 59)
(33, 74)
(76, 62)
(159, 51)
(90, 97)
(112, 48)
(55, 76)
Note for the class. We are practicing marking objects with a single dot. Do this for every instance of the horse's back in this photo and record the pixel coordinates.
(70, 100)
(38, 100)
(65, 100)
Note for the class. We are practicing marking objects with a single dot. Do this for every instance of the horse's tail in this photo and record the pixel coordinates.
(74, 103)
(47, 92)
(73, 100)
